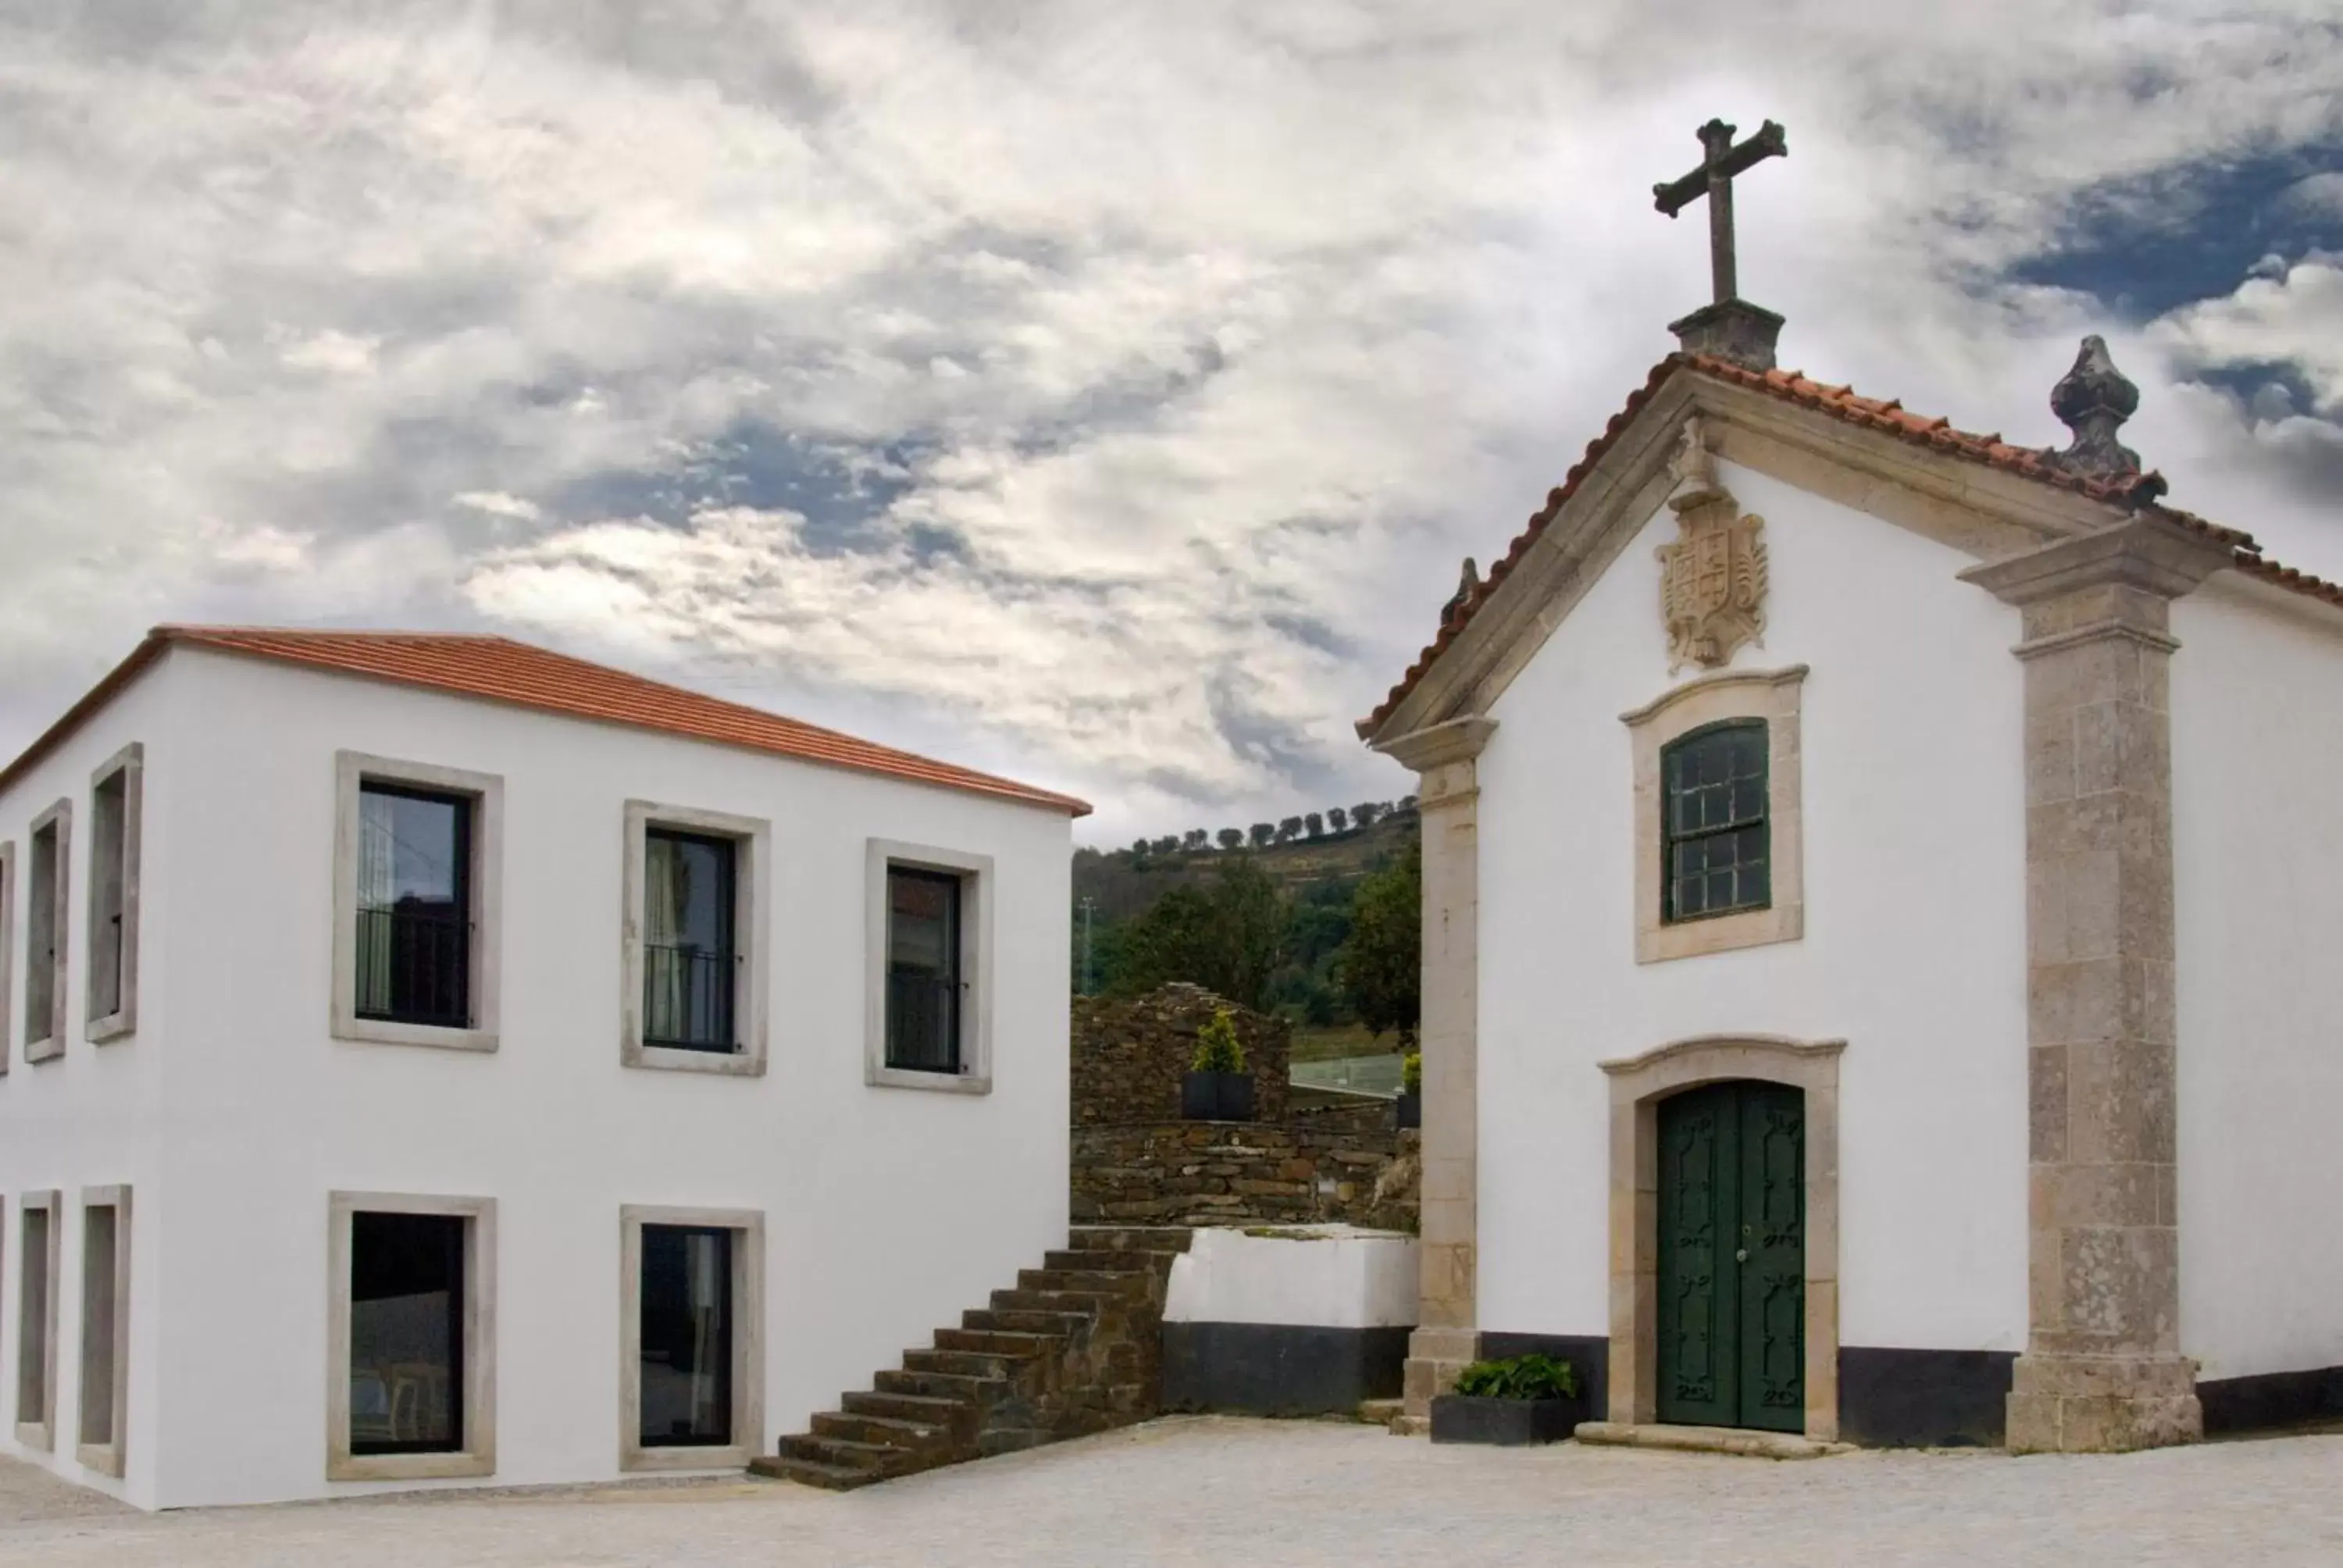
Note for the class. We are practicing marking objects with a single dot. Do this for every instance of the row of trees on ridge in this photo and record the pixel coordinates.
(1335, 821)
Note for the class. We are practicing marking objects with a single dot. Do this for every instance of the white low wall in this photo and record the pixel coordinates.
(1325, 1276)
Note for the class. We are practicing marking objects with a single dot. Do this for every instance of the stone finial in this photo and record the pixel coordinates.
(2091, 401)
(1734, 330)
(1467, 586)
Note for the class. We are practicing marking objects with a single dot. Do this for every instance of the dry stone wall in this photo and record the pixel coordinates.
(1129, 1054)
(1236, 1172)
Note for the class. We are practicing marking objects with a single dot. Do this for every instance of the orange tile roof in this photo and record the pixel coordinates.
(2138, 493)
(498, 669)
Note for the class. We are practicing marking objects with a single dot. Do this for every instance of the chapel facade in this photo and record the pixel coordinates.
(1879, 982)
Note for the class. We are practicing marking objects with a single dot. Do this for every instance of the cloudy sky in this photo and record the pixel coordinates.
(1099, 392)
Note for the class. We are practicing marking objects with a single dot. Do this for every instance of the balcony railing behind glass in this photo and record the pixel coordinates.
(688, 997)
(413, 967)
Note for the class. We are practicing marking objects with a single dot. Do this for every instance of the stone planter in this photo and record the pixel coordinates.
(1216, 1097)
(1407, 1111)
(1512, 1422)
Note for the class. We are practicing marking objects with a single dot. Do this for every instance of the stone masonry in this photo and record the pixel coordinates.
(1237, 1173)
(1129, 1054)
(2102, 1369)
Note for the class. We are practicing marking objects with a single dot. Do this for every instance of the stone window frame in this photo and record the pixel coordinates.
(752, 877)
(1638, 1085)
(747, 1311)
(56, 819)
(7, 953)
(976, 877)
(487, 791)
(106, 1458)
(478, 1457)
(39, 1433)
(129, 765)
(1775, 696)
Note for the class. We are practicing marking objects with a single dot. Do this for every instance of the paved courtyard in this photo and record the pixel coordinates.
(1214, 1490)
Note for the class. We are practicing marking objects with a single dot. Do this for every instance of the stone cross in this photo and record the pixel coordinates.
(1720, 161)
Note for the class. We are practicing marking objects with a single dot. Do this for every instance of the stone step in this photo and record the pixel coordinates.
(1089, 1281)
(997, 1342)
(967, 1363)
(844, 1454)
(957, 1416)
(1078, 1304)
(812, 1473)
(1106, 1263)
(883, 1431)
(1711, 1440)
(1131, 1238)
(978, 1393)
(1058, 1325)
(1011, 1440)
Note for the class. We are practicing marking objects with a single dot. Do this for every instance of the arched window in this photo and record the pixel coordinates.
(1716, 842)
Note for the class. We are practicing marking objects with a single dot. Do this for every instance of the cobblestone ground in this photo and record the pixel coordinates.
(1211, 1490)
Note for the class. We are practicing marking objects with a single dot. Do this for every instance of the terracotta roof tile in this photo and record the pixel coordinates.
(498, 669)
(2136, 493)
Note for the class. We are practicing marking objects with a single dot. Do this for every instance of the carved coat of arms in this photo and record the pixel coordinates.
(1713, 577)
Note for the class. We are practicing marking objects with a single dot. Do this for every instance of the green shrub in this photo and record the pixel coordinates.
(1411, 1073)
(1531, 1376)
(1217, 1050)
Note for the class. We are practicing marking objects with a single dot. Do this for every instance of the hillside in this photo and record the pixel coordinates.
(1122, 883)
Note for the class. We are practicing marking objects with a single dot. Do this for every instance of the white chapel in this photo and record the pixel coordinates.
(1881, 926)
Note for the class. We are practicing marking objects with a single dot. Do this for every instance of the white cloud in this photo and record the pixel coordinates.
(1141, 374)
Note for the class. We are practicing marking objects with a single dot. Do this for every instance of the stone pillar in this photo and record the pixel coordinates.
(1445, 1338)
(2102, 1370)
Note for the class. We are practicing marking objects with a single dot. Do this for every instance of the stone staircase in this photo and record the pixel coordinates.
(1075, 1348)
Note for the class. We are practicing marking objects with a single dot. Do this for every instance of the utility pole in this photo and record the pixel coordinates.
(1089, 985)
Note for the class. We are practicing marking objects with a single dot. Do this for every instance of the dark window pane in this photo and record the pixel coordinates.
(406, 1334)
(689, 964)
(923, 989)
(41, 936)
(97, 1322)
(1714, 822)
(414, 907)
(687, 1337)
(33, 1317)
(109, 809)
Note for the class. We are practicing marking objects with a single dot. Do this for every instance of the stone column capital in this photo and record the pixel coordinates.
(2151, 553)
(1437, 745)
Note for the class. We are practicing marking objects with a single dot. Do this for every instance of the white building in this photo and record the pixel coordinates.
(432, 1059)
(1835, 1024)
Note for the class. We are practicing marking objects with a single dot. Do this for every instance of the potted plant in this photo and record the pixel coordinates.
(1217, 1088)
(1526, 1399)
(1407, 1111)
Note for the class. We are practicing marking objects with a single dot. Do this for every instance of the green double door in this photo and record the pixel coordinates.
(1733, 1257)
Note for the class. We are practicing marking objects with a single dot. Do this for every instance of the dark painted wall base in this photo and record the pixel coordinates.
(2271, 1400)
(1923, 1399)
(1280, 1369)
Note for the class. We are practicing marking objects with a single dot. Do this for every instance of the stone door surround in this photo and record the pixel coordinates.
(1638, 1084)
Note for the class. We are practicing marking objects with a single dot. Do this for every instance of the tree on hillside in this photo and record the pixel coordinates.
(1337, 819)
(1227, 934)
(1365, 813)
(1231, 838)
(1289, 830)
(1381, 966)
(1167, 845)
(1195, 839)
(1139, 848)
(1262, 834)
(1406, 804)
(1314, 824)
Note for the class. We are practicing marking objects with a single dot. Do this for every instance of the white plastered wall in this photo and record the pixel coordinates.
(887, 1211)
(2258, 851)
(1914, 945)
(92, 1116)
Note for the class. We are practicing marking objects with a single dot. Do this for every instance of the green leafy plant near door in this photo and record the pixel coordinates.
(1218, 1049)
(1411, 1073)
(1531, 1376)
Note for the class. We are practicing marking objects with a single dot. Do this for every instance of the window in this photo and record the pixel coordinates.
(693, 1358)
(414, 1384)
(417, 863)
(1719, 832)
(7, 948)
(45, 933)
(930, 964)
(36, 1319)
(1715, 839)
(116, 792)
(923, 984)
(695, 896)
(105, 1326)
